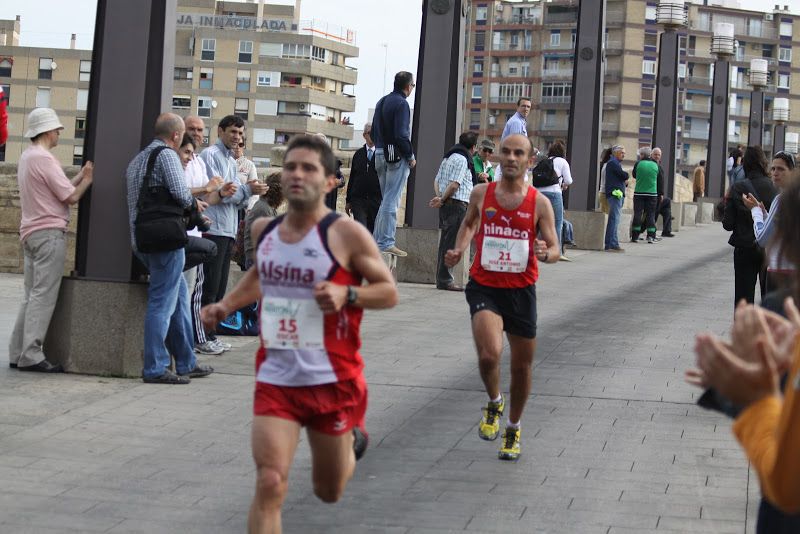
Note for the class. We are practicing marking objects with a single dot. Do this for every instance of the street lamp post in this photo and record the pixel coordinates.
(722, 46)
(758, 79)
(780, 114)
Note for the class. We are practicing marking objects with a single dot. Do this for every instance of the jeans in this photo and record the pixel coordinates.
(557, 200)
(167, 325)
(450, 216)
(614, 210)
(44, 252)
(392, 178)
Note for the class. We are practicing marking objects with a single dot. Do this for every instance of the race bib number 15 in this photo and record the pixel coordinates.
(291, 324)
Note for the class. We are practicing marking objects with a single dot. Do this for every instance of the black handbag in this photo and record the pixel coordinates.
(160, 225)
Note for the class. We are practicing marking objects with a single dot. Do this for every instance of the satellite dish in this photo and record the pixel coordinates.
(53, 65)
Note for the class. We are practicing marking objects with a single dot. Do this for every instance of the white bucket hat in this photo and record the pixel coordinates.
(42, 120)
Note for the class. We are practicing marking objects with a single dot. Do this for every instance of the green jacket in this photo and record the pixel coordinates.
(478, 163)
(646, 173)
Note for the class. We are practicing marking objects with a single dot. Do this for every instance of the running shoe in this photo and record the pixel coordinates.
(510, 449)
(360, 442)
(208, 348)
(489, 427)
(221, 344)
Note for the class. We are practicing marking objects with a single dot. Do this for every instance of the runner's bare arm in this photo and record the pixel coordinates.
(351, 242)
(468, 226)
(245, 292)
(546, 249)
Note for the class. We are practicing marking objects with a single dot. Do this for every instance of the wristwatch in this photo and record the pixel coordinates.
(352, 295)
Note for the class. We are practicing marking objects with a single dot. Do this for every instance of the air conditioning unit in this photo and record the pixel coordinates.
(499, 7)
(302, 107)
(495, 112)
(767, 16)
(317, 79)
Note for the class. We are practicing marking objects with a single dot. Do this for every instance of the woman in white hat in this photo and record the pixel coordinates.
(45, 195)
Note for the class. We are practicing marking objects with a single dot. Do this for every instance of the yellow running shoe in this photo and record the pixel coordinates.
(510, 449)
(490, 422)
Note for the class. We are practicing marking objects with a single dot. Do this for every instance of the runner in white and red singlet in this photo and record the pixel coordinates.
(308, 271)
(505, 218)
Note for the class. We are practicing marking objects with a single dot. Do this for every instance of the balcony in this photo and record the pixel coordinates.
(564, 17)
(614, 48)
(740, 111)
(698, 80)
(555, 99)
(517, 19)
(615, 18)
(696, 133)
(556, 74)
(611, 100)
(562, 45)
(740, 29)
(505, 99)
(506, 47)
(613, 76)
(701, 107)
(771, 61)
(553, 126)
(609, 129)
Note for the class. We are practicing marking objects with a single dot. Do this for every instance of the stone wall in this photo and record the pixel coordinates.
(11, 258)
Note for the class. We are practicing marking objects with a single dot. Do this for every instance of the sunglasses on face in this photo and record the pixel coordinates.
(487, 150)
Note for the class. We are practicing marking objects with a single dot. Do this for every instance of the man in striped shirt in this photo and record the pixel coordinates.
(453, 186)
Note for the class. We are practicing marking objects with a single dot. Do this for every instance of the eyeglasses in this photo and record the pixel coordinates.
(786, 156)
(487, 150)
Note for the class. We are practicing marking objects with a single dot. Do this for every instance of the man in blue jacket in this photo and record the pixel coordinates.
(394, 157)
(616, 182)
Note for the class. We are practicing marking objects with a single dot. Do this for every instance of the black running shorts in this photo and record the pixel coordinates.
(516, 306)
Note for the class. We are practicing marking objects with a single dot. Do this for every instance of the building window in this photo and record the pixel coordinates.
(477, 67)
(77, 155)
(299, 51)
(206, 78)
(266, 107)
(480, 13)
(241, 107)
(268, 79)
(80, 127)
(650, 13)
(292, 81)
(480, 40)
(645, 121)
(555, 39)
(243, 80)
(477, 91)
(786, 29)
(245, 51)
(783, 81)
(681, 70)
(318, 53)
(785, 54)
(651, 39)
(83, 100)
(45, 68)
(5, 68)
(270, 49)
(85, 71)
(556, 92)
(43, 97)
(263, 136)
(648, 93)
(7, 94)
(204, 106)
(183, 73)
(181, 101)
(208, 49)
(648, 67)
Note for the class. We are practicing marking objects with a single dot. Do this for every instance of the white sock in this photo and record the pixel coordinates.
(498, 399)
(515, 426)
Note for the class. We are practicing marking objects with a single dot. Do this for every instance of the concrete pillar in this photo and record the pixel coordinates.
(586, 107)
(718, 134)
(778, 138)
(755, 131)
(437, 104)
(666, 114)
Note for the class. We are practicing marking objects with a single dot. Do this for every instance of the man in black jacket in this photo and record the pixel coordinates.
(363, 187)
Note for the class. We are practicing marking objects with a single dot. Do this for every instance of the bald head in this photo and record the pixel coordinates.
(196, 129)
(169, 128)
(516, 155)
(656, 154)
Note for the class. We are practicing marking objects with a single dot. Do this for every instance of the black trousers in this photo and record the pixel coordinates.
(748, 266)
(365, 210)
(215, 271)
(450, 216)
(644, 215)
(665, 210)
(773, 521)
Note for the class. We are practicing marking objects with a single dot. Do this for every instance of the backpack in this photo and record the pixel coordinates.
(242, 322)
(544, 174)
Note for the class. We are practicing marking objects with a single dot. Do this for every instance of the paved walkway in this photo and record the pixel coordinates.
(612, 440)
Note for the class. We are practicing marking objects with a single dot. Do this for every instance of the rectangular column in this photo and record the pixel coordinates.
(755, 130)
(778, 139)
(585, 112)
(666, 115)
(718, 134)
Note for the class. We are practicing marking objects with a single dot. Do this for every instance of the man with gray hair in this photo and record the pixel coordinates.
(363, 188)
(615, 185)
(645, 196)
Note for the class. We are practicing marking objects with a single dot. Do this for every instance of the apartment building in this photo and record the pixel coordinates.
(283, 75)
(526, 49)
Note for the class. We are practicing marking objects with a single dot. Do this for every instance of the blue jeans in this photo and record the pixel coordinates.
(392, 178)
(557, 201)
(614, 210)
(167, 322)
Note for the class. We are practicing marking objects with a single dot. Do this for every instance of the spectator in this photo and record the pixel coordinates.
(484, 172)
(699, 181)
(736, 173)
(332, 197)
(166, 322)
(245, 168)
(363, 188)
(45, 195)
(748, 257)
(557, 153)
(664, 207)
(266, 206)
(394, 158)
(645, 196)
(453, 187)
(616, 182)
(601, 191)
(518, 123)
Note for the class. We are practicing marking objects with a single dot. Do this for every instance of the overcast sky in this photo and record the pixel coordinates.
(49, 23)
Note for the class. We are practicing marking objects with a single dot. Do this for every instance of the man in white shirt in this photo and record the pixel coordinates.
(518, 123)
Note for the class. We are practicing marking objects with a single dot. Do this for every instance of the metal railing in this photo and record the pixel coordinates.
(740, 29)
(558, 125)
(505, 99)
(556, 99)
(516, 19)
(557, 73)
(688, 105)
(699, 80)
(567, 17)
(502, 47)
(562, 45)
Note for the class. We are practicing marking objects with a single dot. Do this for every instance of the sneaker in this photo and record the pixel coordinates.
(510, 449)
(667, 234)
(221, 345)
(634, 239)
(199, 371)
(395, 251)
(489, 427)
(563, 258)
(618, 249)
(208, 348)
(360, 442)
(656, 239)
(650, 239)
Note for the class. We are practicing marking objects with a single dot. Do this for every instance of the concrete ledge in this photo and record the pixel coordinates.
(689, 214)
(705, 212)
(624, 227)
(98, 328)
(589, 227)
(420, 265)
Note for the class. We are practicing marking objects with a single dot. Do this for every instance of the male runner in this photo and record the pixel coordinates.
(505, 217)
(308, 269)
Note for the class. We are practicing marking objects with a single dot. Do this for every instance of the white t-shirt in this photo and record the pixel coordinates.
(196, 176)
(602, 187)
(561, 167)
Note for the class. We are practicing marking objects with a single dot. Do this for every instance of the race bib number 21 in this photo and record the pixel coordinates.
(501, 254)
